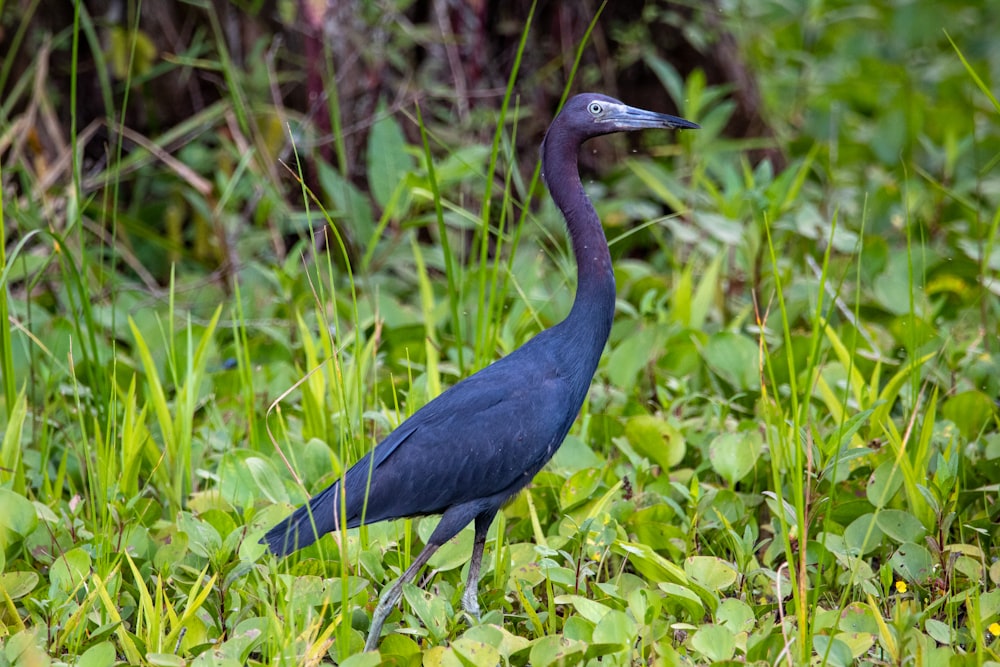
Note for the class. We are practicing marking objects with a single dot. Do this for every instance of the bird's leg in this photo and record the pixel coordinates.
(470, 598)
(392, 596)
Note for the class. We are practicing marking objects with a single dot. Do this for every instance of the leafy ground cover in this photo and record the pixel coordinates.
(790, 454)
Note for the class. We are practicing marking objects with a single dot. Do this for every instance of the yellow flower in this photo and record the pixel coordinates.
(995, 629)
(900, 586)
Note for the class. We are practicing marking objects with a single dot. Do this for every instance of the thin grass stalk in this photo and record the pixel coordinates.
(484, 309)
(450, 263)
(789, 457)
(6, 340)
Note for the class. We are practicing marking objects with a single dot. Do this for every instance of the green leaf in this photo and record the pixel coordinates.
(432, 610)
(589, 609)
(18, 518)
(556, 650)
(455, 552)
(98, 655)
(713, 573)
(388, 160)
(633, 354)
(685, 598)
(901, 526)
(715, 642)
(971, 411)
(502, 639)
(69, 571)
(203, 539)
(833, 650)
(913, 562)
(475, 653)
(244, 478)
(579, 488)
(884, 483)
(579, 628)
(989, 605)
(940, 632)
(735, 358)
(862, 535)
(16, 585)
(615, 628)
(370, 659)
(734, 455)
(656, 439)
(735, 615)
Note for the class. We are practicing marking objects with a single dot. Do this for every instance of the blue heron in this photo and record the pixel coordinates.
(471, 449)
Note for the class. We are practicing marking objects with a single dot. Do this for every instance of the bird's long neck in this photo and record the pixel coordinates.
(593, 307)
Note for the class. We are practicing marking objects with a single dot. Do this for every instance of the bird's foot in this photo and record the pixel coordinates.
(470, 603)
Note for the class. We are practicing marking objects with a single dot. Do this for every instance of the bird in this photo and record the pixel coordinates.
(471, 449)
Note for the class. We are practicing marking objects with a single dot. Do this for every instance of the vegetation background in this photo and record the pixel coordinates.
(242, 240)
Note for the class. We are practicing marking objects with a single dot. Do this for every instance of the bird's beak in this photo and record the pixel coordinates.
(626, 118)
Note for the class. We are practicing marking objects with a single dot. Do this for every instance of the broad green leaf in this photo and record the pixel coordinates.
(913, 562)
(734, 455)
(370, 659)
(475, 653)
(832, 650)
(579, 488)
(244, 478)
(685, 598)
(400, 649)
(901, 526)
(98, 655)
(499, 637)
(579, 628)
(656, 527)
(713, 573)
(633, 354)
(857, 618)
(591, 610)
(735, 358)
(989, 606)
(16, 585)
(556, 650)
(615, 628)
(18, 518)
(884, 483)
(862, 535)
(735, 615)
(70, 570)
(940, 632)
(715, 642)
(432, 610)
(454, 553)
(574, 454)
(656, 439)
(203, 539)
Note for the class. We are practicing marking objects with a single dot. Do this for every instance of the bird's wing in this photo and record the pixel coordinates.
(487, 435)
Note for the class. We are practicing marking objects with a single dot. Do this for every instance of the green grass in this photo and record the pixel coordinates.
(789, 454)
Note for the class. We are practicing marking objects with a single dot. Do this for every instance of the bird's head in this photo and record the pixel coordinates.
(592, 114)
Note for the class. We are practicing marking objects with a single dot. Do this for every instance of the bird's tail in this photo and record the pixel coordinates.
(306, 524)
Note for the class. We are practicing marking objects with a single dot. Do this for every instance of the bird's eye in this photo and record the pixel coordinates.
(595, 108)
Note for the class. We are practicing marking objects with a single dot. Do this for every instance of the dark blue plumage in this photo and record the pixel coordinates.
(468, 451)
